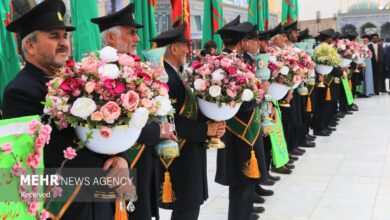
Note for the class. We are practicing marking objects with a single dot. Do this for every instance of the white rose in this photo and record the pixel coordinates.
(247, 95)
(139, 118)
(83, 107)
(218, 75)
(343, 47)
(110, 71)
(215, 91)
(109, 54)
(164, 105)
(284, 71)
(312, 73)
(198, 84)
(272, 59)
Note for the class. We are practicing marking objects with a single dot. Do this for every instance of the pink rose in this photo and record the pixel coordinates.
(70, 153)
(231, 92)
(89, 65)
(115, 87)
(111, 111)
(297, 79)
(33, 126)
(126, 60)
(57, 191)
(97, 116)
(225, 62)
(204, 70)
(196, 65)
(105, 132)
(33, 160)
(163, 91)
(130, 100)
(44, 215)
(89, 87)
(7, 148)
(33, 208)
(146, 103)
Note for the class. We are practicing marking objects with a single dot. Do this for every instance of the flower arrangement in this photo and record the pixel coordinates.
(348, 49)
(105, 90)
(224, 79)
(292, 65)
(364, 52)
(326, 54)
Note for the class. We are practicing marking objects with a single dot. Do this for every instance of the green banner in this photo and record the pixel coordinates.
(348, 91)
(86, 37)
(22, 145)
(144, 14)
(212, 21)
(290, 11)
(278, 141)
(9, 59)
(255, 13)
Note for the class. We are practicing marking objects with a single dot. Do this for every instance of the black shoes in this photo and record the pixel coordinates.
(274, 178)
(254, 216)
(301, 150)
(307, 144)
(296, 152)
(258, 199)
(268, 182)
(310, 137)
(289, 166)
(293, 158)
(263, 192)
(322, 133)
(281, 170)
(258, 210)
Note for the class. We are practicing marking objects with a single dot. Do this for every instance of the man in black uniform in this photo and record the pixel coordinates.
(188, 171)
(45, 45)
(233, 157)
(119, 30)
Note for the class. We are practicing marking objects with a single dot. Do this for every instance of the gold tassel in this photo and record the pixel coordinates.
(168, 195)
(350, 84)
(308, 105)
(120, 210)
(328, 97)
(251, 169)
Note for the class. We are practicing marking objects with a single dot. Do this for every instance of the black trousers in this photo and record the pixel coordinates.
(267, 152)
(185, 214)
(241, 202)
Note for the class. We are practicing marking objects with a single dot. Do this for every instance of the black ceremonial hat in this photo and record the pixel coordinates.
(352, 35)
(327, 33)
(277, 30)
(123, 17)
(232, 23)
(175, 35)
(304, 35)
(291, 27)
(47, 15)
(264, 35)
(254, 33)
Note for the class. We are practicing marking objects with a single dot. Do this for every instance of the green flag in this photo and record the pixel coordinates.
(265, 9)
(212, 21)
(255, 13)
(86, 37)
(9, 60)
(290, 11)
(144, 14)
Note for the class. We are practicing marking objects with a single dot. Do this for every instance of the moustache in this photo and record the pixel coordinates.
(62, 50)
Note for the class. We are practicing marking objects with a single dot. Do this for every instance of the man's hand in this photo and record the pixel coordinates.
(216, 129)
(120, 169)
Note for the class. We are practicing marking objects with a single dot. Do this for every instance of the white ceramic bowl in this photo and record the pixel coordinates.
(323, 69)
(217, 113)
(277, 91)
(122, 138)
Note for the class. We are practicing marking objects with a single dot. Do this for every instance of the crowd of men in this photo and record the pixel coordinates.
(45, 45)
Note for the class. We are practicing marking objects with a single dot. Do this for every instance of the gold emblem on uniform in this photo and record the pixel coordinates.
(59, 16)
(260, 64)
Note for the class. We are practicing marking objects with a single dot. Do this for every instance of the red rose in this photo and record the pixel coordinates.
(135, 57)
(70, 63)
(231, 70)
(197, 65)
(115, 87)
(281, 80)
(70, 85)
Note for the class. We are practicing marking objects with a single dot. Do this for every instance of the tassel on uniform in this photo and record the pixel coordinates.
(328, 97)
(120, 210)
(350, 84)
(308, 105)
(168, 195)
(251, 169)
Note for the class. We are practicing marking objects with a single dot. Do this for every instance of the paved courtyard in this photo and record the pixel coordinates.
(347, 176)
